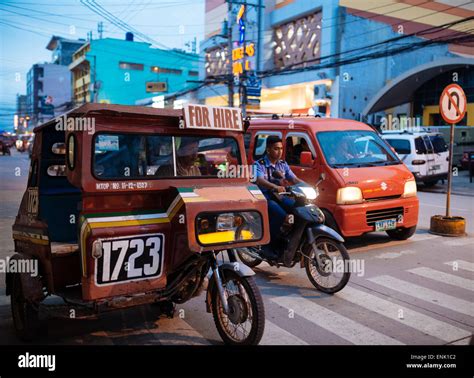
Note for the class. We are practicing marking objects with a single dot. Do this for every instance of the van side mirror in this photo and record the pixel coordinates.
(306, 159)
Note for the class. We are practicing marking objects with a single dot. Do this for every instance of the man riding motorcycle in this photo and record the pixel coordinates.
(271, 172)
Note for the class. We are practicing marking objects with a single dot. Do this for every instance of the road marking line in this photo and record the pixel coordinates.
(413, 319)
(444, 207)
(178, 332)
(340, 325)
(446, 278)
(459, 242)
(465, 265)
(420, 292)
(421, 237)
(465, 341)
(275, 335)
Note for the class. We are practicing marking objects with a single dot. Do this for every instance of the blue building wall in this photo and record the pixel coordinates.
(359, 82)
(126, 86)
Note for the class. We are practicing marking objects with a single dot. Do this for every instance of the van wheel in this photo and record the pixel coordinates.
(25, 315)
(431, 183)
(402, 233)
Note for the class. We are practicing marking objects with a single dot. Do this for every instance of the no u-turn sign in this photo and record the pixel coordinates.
(453, 104)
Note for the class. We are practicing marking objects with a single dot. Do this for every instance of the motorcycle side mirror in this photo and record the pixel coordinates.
(306, 159)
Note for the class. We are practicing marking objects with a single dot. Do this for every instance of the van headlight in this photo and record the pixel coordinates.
(410, 189)
(349, 195)
(231, 227)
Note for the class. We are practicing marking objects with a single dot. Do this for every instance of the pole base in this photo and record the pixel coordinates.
(448, 226)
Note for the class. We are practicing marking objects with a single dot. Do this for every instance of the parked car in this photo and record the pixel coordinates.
(425, 154)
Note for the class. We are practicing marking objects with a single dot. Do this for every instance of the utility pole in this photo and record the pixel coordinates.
(230, 81)
(100, 29)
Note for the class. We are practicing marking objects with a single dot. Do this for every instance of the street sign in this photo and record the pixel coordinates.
(453, 104)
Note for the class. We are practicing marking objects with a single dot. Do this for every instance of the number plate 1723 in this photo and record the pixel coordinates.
(130, 258)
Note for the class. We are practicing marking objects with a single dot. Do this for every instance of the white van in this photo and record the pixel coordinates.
(425, 154)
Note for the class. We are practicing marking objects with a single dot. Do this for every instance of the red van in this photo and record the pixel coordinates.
(365, 188)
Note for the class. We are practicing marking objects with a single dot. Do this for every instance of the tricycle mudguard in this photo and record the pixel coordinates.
(239, 268)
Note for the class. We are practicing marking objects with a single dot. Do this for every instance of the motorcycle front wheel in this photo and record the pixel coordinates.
(328, 266)
(245, 322)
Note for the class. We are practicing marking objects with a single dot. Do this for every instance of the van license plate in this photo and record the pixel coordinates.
(435, 167)
(384, 225)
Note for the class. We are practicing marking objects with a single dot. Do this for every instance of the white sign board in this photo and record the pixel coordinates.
(212, 117)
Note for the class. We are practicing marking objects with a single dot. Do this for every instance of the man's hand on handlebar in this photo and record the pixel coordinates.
(280, 189)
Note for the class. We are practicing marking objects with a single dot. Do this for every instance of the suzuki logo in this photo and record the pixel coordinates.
(383, 185)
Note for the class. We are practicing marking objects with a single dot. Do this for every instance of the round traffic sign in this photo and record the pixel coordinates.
(452, 103)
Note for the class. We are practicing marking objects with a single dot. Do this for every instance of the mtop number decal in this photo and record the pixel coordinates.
(130, 258)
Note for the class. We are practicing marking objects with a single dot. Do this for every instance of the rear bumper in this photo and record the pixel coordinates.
(356, 220)
(438, 176)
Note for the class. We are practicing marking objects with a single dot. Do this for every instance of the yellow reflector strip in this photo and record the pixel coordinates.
(223, 237)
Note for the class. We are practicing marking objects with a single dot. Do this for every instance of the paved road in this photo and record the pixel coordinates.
(419, 291)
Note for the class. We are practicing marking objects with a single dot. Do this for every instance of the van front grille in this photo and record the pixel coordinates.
(373, 216)
(382, 198)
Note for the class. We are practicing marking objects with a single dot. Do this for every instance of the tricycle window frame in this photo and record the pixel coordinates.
(153, 177)
(231, 242)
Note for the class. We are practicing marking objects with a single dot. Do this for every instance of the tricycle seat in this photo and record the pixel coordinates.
(62, 249)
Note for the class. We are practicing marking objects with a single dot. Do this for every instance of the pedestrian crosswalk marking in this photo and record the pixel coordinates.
(413, 319)
(423, 293)
(465, 265)
(275, 335)
(340, 325)
(446, 278)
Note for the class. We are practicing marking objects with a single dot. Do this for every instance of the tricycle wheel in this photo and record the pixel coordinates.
(25, 315)
(245, 322)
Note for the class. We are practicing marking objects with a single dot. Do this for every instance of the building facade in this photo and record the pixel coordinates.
(341, 58)
(127, 72)
(48, 91)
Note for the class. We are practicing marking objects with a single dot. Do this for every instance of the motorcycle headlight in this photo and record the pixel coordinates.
(227, 228)
(309, 192)
(410, 189)
(349, 195)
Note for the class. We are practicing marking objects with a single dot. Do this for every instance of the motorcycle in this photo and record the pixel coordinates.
(304, 239)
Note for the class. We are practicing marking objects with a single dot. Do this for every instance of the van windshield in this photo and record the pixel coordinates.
(355, 148)
(125, 156)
